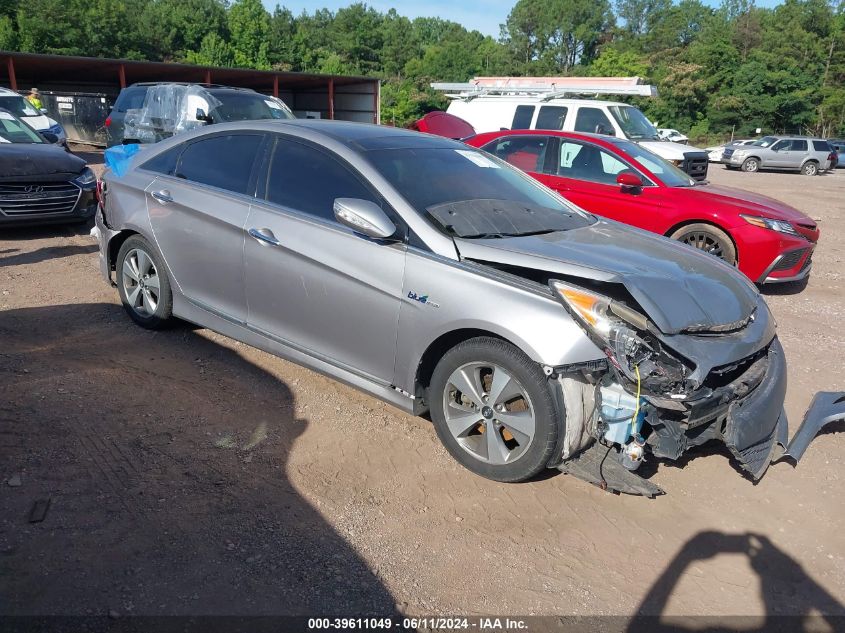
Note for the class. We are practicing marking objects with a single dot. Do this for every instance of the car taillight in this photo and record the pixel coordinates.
(831, 156)
(108, 121)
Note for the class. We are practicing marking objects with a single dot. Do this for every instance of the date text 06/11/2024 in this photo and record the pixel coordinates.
(424, 623)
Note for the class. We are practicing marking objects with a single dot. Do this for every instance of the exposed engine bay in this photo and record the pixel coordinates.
(661, 390)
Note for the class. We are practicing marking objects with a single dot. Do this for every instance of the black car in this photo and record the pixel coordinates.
(41, 183)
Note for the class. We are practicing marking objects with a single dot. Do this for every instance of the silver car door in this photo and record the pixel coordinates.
(198, 215)
(313, 283)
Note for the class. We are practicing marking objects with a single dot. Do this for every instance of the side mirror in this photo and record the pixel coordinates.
(629, 181)
(50, 137)
(363, 216)
(202, 116)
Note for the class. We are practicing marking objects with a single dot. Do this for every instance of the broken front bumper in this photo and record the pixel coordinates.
(747, 414)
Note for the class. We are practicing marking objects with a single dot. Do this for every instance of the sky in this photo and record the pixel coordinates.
(479, 15)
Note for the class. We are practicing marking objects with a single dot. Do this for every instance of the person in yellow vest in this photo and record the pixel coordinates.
(33, 99)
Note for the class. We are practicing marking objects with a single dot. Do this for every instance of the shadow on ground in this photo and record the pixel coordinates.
(792, 600)
(163, 456)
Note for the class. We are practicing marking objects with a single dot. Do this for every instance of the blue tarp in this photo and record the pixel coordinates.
(119, 157)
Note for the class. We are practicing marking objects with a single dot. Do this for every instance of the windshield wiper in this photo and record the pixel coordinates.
(482, 236)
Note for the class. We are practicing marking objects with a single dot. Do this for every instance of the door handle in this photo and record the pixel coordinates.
(265, 236)
(162, 196)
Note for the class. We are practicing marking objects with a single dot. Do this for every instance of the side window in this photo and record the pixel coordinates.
(164, 163)
(220, 161)
(781, 146)
(594, 121)
(522, 117)
(527, 153)
(799, 145)
(588, 162)
(308, 180)
(822, 146)
(551, 118)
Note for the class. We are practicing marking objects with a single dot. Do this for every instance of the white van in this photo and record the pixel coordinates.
(28, 113)
(491, 113)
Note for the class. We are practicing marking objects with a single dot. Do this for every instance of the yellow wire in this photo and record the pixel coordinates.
(637, 408)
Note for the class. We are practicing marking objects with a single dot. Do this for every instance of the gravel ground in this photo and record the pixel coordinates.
(189, 474)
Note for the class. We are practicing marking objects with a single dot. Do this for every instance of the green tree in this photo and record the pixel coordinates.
(249, 28)
(213, 51)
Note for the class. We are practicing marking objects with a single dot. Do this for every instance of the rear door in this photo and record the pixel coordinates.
(797, 153)
(198, 206)
(313, 283)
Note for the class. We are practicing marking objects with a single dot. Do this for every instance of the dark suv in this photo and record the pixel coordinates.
(153, 118)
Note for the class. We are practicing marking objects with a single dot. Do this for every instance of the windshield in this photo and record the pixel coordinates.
(470, 194)
(666, 171)
(18, 106)
(247, 106)
(13, 130)
(765, 141)
(634, 123)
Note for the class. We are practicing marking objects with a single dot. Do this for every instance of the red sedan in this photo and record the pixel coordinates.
(768, 240)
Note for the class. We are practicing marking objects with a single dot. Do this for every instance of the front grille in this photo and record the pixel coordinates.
(696, 164)
(790, 260)
(38, 198)
(728, 153)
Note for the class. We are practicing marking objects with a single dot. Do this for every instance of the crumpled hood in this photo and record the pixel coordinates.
(680, 288)
(40, 162)
(756, 204)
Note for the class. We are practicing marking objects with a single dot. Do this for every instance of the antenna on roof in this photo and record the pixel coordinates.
(546, 88)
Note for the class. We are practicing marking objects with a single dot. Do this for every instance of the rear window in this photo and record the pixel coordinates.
(822, 146)
(131, 99)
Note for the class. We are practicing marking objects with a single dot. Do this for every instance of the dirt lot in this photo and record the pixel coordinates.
(189, 474)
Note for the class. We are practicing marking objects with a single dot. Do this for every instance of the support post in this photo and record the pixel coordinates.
(121, 71)
(331, 98)
(276, 86)
(13, 81)
(207, 77)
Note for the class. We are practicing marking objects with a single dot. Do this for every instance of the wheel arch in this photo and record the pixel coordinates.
(442, 344)
(116, 242)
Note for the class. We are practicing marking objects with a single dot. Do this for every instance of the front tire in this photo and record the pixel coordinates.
(143, 284)
(810, 168)
(750, 165)
(494, 411)
(707, 238)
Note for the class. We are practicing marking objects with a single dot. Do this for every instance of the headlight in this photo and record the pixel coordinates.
(87, 177)
(58, 130)
(781, 226)
(740, 153)
(610, 324)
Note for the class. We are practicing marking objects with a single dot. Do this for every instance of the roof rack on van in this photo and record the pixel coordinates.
(546, 88)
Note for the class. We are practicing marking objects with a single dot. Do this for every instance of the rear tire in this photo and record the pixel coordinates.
(810, 168)
(707, 238)
(750, 165)
(143, 284)
(486, 385)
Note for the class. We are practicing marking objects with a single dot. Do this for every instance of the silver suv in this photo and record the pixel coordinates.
(439, 278)
(809, 155)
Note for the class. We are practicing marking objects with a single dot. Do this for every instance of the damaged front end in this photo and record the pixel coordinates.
(661, 394)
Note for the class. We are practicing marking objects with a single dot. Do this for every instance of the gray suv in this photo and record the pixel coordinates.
(439, 278)
(809, 155)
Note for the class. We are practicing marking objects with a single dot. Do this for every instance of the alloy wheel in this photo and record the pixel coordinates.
(489, 413)
(704, 242)
(141, 283)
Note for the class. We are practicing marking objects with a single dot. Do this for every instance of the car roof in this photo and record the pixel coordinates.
(209, 87)
(360, 137)
(7, 92)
